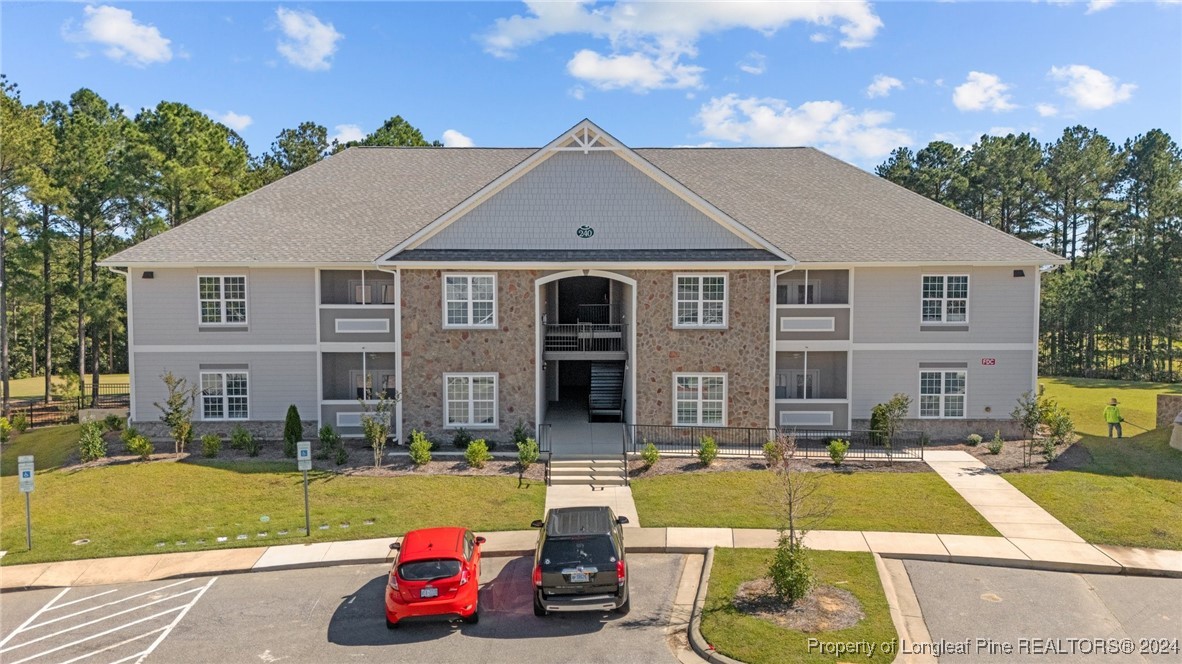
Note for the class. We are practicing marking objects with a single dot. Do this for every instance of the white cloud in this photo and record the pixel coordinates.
(309, 41)
(346, 133)
(755, 63)
(454, 139)
(982, 91)
(1099, 5)
(235, 121)
(636, 71)
(1046, 110)
(1090, 88)
(648, 40)
(828, 125)
(125, 39)
(818, 37)
(578, 92)
(882, 85)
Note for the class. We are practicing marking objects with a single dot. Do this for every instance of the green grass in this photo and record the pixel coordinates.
(756, 641)
(127, 509)
(28, 388)
(1130, 494)
(50, 447)
(1085, 399)
(905, 502)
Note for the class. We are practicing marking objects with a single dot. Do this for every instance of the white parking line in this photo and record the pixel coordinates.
(174, 623)
(105, 592)
(112, 647)
(93, 636)
(34, 616)
(100, 606)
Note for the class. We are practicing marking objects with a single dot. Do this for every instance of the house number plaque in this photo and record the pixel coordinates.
(585, 232)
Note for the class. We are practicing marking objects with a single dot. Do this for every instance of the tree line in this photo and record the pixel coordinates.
(1114, 211)
(81, 179)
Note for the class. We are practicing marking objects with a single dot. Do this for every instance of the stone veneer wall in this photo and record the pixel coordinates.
(429, 351)
(740, 350)
(1168, 407)
(955, 431)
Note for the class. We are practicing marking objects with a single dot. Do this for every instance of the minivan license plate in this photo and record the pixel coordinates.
(578, 577)
(429, 592)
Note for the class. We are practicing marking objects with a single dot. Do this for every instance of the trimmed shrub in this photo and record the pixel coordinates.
(330, 440)
(128, 434)
(5, 430)
(878, 423)
(250, 443)
(293, 431)
(113, 422)
(974, 439)
(771, 453)
(996, 444)
(707, 450)
(342, 455)
(211, 444)
(1048, 449)
(420, 448)
(461, 439)
(91, 445)
(520, 433)
(791, 574)
(20, 422)
(650, 455)
(239, 437)
(140, 446)
(837, 450)
(477, 453)
(527, 453)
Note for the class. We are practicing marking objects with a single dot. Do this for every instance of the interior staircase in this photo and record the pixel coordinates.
(595, 472)
(607, 390)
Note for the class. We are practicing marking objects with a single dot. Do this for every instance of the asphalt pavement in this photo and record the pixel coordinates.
(982, 614)
(332, 614)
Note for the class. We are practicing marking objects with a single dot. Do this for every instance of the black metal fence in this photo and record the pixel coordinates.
(40, 413)
(749, 441)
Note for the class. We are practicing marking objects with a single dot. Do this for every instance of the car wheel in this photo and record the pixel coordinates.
(391, 625)
(472, 619)
(539, 610)
(624, 608)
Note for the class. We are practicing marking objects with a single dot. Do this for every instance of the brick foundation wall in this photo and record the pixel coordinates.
(741, 350)
(429, 351)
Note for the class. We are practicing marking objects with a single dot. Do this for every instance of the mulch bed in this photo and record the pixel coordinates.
(825, 608)
(1010, 460)
(683, 465)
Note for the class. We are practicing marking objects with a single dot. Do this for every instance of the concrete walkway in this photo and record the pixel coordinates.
(997, 551)
(619, 498)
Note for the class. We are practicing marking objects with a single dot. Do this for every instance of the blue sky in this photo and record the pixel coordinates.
(853, 78)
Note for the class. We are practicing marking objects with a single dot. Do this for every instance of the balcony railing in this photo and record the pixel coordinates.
(790, 384)
(594, 313)
(586, 338)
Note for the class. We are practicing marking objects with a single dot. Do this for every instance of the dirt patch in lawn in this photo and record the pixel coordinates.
(682, 465)
(824, 609)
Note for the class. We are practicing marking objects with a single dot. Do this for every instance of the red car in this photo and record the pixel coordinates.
(436, 574)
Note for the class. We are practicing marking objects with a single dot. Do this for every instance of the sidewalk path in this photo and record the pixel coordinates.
(619, 498)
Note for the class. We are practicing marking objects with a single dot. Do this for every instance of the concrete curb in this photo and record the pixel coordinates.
(696, 640)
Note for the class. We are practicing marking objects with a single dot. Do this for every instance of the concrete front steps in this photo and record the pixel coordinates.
(593, 472)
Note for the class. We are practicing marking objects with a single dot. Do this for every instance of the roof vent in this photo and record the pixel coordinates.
(148, 274)
(1019, 273)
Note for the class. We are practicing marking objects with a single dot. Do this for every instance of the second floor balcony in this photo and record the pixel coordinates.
(586, 341)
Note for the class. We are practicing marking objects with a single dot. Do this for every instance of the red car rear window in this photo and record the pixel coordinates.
(429, 570)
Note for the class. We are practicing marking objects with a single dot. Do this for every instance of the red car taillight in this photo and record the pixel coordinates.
(464, 576)
(537, 575)
(621, 572)
(393, 582)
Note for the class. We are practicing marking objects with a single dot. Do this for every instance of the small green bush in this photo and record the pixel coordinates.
(129, 433)
(91, 445)
(461, 439)
(527, 453)
(211, 444)
(771, 453)
(650, 455)
(140, 446)
(20, 422)
(707, 450)
(477, 453)
(974, 439)
(113, 422)
(996, 444)
(250, 444)
(1048, 449)
(342, 455)
(520, 433)
(837, 450)
(239, 437)
(5, 430)
(790, 571)
(293, 431)
(420, 448)
(330, 440)
(878, 423)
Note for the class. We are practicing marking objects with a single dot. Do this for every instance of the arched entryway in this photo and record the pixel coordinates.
(586, 341)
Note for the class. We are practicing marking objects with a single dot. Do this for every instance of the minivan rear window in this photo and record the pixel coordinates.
(429, 570)
(564, 552)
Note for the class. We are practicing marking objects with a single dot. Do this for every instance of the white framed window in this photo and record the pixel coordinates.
(942, 393)
(699, 300)
(945, 298)
(469, 300)
(221, 300)
(699, 399)
(470, 400)
(374, 383)
(225, 395)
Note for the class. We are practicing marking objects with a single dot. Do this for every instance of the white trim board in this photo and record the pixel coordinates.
(823, 418)
(832, 324)
(227, 348)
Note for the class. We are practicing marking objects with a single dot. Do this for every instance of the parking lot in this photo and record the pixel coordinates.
(329, 615)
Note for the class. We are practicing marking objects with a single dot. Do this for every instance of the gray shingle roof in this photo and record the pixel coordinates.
(356, 205)
(594, 256)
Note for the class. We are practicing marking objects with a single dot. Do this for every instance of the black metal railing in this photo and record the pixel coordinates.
(545, 448)
(750, 441)
(585, 337)
(39, 412)
(105, 395)
(746, 441)
(863, 445)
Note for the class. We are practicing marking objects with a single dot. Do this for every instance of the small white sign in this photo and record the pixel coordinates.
(24, 469)
(304, 455)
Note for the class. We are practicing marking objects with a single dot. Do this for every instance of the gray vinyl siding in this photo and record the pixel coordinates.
(880, 374)
(625, 208)
(840, 413)
(276, 381)
(328, 318)
(280, 307)
(840, 316)
(887, 305)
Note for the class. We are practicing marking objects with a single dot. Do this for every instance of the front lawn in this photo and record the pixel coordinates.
(31, 388)
(1085, 399)
(129, 508)
(756, 641)
(51, 447)
(919, 502)
(1129, 493)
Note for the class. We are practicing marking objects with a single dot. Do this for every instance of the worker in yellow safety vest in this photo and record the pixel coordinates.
(1113, 418)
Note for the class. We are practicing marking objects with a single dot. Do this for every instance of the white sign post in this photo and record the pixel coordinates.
(304, 464)
(24, 468)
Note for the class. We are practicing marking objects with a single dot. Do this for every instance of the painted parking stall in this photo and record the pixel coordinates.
(119, 624)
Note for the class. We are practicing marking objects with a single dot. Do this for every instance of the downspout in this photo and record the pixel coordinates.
(771, 365)
(397, 346)
(126, 273)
